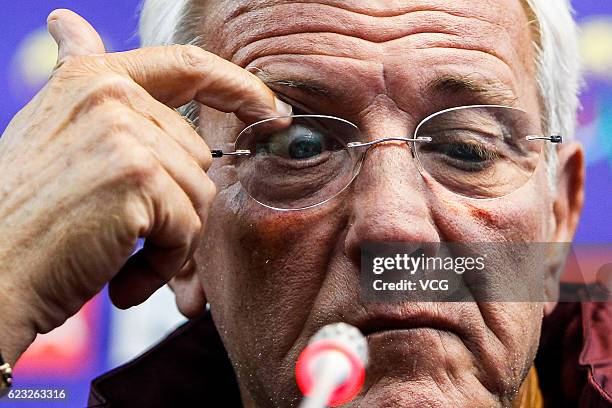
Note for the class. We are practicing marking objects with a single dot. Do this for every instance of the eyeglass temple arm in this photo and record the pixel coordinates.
(553, 139)
(220, 153)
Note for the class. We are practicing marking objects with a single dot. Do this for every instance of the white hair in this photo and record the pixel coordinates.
(558, 61)
(160, 21)
(559, 73)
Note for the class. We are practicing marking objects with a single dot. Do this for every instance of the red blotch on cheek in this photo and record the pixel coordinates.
(482, 214)
(267, 235)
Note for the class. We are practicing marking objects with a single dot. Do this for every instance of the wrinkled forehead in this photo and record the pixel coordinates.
(230, 25)
(348, 55)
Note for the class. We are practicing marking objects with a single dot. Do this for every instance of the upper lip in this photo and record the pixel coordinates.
(403, 319)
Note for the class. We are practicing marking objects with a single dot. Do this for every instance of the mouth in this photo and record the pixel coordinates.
(378, 323)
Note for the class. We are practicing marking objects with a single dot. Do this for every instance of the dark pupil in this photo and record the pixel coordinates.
(304, 147)
(466, 153)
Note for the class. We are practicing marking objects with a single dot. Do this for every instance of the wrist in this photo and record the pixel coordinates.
(13, 343)
(16, 332)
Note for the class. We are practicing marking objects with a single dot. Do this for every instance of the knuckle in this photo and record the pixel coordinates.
(136, 215)
(207, 195)
(190, 54)
(201, 156)
(196, 228)
(112, 118)
(100, 90)
(139, 165)
(132, 162)
(200, 152)
(210, 188)
(197, 147)
(111, 86)
(191, 230)
(207, 158)
(194, 60)
(257, 89)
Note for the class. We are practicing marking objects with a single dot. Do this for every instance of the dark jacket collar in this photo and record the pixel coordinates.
(188, 368)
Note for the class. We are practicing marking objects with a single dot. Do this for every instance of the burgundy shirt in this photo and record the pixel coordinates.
(191, 367)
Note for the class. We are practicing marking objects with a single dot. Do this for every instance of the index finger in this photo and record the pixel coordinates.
(178, 74)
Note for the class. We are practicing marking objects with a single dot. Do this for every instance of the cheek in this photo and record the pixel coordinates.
(523, 216)
(285, 249)
(268, 269)
(262, 254)
(517, 326)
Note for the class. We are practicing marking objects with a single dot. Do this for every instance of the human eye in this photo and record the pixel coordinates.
(297, 142)
(301, 142)
(478, 151)
(293, 165)
(464, 150)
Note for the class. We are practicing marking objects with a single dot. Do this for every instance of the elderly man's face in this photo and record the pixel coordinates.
(274, 278)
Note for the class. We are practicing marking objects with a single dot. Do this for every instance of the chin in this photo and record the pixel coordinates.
(425, 393)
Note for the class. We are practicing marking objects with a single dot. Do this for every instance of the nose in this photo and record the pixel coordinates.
(389, 202)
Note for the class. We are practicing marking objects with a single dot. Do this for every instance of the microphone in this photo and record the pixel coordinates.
(331, 369)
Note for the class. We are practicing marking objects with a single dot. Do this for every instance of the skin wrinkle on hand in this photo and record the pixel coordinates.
(299, 274)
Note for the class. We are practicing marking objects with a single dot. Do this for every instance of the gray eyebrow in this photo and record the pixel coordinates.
(485, 90)
(270, 79)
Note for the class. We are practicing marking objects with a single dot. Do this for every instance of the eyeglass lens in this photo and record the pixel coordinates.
(477, 152)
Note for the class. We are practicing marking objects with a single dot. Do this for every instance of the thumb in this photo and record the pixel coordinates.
(73, 34)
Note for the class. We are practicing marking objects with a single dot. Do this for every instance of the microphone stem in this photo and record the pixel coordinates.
(331, 373)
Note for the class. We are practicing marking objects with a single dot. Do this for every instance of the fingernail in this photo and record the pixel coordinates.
(284, 109)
